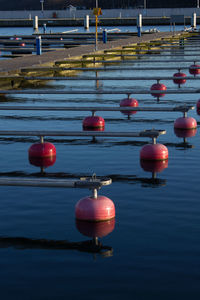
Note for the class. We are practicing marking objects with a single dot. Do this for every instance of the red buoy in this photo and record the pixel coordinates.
(154, 152)
(95, 229)
(42, 150)
(181, 79)
(94, 123)
(194, 69)
(43, 162)
(185, 123)
(98, 208)
(129, 102)
(154, 165)
(158, 87)
(185, 133)
(22, 44)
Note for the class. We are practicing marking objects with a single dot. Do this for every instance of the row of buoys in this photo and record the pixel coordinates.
(153, 157)
(44, 153)
(179, 78)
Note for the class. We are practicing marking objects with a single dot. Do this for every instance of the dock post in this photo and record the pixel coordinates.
(105, 36)
(193, 21)
(139, 24)
(35, 24)
(87, 22)
(38, 45)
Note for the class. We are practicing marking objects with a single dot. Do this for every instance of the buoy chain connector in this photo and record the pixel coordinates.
(183, 108)
(98, 182)
(152, 133)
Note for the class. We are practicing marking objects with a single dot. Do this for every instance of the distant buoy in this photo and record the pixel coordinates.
(181, 79)
(22, 44)
(96, 209)
(129, 102)
(94, 123)
(42, 150)
(194, 69)
(154, 152)
(154, 165)
(158, 87)
(95, 229)
(43, 162)
(185, 133)
(185, 123)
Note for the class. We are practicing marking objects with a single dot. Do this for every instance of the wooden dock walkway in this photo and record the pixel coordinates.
(13, 66)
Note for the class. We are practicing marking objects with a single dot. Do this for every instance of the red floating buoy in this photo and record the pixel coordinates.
(194, 69)
(185, 133)
(22, 44)
(181, 79)
(43, 162)
(42, 150)
(154, 152)
(95, 229)
(158, 87)
(98, 208)
(185, 123)
(129, 102)
(154, 166)
(94, 123)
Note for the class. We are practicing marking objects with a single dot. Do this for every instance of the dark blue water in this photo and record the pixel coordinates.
(155, 245)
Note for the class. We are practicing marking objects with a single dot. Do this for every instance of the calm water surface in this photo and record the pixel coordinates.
(155, 239)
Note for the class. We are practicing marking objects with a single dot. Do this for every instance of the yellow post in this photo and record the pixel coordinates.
(96, 11)
(96, 32)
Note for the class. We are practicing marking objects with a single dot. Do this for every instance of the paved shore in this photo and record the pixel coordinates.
(14, 65)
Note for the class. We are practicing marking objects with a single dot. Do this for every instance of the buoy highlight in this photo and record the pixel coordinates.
(129, 102)
(158, 87)
(154, 152)
(194, 69)
(99, 208)
(42, 149)
(185, 123)
(181, 78)
(94, 123)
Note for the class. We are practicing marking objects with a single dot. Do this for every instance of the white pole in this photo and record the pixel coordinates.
(87, 22)
(139, 20)
(194, 23)
(35, 23)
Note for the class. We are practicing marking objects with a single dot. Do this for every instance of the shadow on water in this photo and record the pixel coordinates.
(23, 243)
(94, 230)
